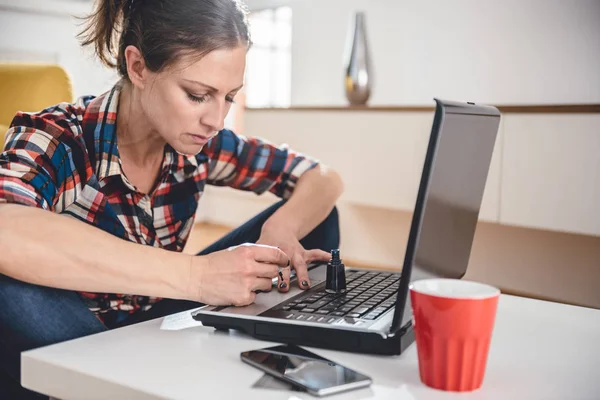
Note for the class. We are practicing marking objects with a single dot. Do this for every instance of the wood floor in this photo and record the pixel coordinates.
(203, 235)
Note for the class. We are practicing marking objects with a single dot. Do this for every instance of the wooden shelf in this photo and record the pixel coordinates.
(536, 109)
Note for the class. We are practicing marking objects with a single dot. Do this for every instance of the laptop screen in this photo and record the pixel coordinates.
(459, 157)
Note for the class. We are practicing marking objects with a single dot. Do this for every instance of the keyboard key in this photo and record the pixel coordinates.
(319, 304)
(338, 313)
(299, 317)
(299, 306)
(353, 315)
(311, 299)
(322, 312)
(361, 310)
(309, 310)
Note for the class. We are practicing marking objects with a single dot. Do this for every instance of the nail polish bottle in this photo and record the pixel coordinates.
(336, 274)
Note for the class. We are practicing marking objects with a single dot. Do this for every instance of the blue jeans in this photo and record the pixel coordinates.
(33, 316)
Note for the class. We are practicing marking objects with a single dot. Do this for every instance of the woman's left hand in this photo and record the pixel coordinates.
(299, 256)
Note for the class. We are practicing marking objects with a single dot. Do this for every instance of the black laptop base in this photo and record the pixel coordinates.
(314, 336)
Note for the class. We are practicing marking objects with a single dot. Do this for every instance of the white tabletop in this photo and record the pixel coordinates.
(540, 350)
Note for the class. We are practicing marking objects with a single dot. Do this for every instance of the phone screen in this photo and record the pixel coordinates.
(315, 373)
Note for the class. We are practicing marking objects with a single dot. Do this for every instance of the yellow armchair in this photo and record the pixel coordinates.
(30, 88)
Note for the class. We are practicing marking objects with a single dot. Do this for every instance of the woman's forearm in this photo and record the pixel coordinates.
(311, 202)
(44, 248)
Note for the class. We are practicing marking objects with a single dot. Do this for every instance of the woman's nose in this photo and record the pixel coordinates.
(214, 117)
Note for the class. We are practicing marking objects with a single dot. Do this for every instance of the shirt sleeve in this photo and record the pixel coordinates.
(254, 164)
(43, 157)
(26, 169)
(36, 166)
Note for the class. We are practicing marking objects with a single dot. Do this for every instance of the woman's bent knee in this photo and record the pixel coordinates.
(32, 316)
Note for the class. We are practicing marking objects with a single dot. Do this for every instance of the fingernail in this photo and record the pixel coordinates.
(282, 285)
(304, 283)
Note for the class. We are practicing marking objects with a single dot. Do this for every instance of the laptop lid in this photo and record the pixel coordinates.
(449, 198)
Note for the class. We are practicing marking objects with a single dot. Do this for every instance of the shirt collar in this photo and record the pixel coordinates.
(100, 133)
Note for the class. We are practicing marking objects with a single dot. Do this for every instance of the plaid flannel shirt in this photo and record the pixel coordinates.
(65, 159)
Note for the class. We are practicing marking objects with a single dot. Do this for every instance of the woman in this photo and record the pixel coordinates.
(128, 167)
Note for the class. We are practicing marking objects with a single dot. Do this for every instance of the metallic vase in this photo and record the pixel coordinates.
(357, 62)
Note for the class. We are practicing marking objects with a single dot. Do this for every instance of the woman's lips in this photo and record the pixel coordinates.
(199, 139)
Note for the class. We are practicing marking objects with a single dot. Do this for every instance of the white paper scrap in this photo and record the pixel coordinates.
(182, 320)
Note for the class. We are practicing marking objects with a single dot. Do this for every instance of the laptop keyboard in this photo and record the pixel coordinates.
(368, 295)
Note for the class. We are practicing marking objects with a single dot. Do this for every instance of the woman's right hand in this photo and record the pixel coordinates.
(232, 276)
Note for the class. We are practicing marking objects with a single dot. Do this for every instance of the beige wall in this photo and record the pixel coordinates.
(499, 52)
(544, 172)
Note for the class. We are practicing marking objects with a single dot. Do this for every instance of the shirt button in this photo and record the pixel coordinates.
(146, 219)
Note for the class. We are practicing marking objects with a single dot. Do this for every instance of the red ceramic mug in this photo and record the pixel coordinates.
(453, 322)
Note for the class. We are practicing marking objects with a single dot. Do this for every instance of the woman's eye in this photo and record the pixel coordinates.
(198, 99)
(229, 99)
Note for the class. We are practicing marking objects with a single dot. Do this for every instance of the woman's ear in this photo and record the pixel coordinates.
(136, 67)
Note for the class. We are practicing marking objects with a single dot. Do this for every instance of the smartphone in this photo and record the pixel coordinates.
(307, 370)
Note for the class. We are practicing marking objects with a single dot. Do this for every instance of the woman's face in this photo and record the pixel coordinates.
(187, 103)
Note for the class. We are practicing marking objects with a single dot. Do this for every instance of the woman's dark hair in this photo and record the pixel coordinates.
(164, 30)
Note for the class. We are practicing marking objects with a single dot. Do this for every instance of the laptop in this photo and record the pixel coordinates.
(374, 315)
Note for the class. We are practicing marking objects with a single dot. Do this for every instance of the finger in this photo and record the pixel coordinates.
(283, 283)
(266, 270)
(317, 255)
(262, 285)
(246, 302)
(270, 254)
(301, 271)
